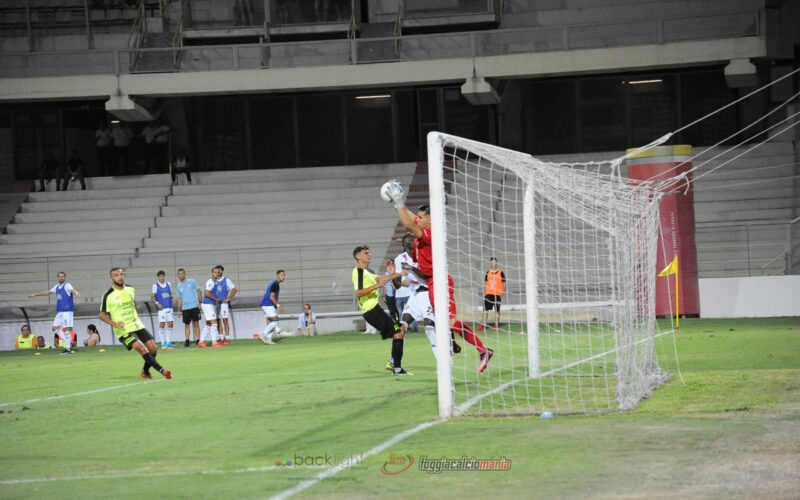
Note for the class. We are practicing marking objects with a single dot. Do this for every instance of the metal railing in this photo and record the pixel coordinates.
(137, 34)
(318, 273)
(410, 47)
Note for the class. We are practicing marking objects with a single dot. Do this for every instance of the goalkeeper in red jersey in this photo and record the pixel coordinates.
(420, 226)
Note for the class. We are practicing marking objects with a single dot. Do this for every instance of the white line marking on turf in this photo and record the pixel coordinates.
(410, 432)
(308, 483)
(82, 393)
(124, 474)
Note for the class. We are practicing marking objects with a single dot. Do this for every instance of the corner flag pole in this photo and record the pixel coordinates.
(672, 268)
(677, 302)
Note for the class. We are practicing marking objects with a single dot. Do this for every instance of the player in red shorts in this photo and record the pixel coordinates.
(420, 226)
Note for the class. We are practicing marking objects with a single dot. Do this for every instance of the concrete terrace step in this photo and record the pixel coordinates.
(267, 239)
(274, 209)
(98, 194)
(225, 249)
(390, 170)
(267, 228)
(743, 195)
(87, 215)
(92, 204)
(98, 245)
(70, 226)
(752, 204)
(339, 216)
(308, 185)
(275, 197)
(128, 181)
(86, 236)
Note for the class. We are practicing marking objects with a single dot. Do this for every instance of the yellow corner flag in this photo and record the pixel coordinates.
(671, 269)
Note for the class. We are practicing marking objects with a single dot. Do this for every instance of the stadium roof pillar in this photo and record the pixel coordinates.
(126, 110)
(478, 91)
(741, 73)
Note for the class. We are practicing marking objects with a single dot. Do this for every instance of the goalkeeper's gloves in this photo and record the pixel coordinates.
(397, 194)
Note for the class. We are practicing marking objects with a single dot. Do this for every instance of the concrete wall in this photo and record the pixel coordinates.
(753, 297)
(244, 324)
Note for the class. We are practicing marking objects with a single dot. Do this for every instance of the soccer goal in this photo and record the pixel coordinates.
(577, 244)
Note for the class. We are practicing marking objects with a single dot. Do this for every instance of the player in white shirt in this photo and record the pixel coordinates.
(226, 290)
(161, 294)
(418, 308)
(209, 306)
(65, 309)
(403, 292)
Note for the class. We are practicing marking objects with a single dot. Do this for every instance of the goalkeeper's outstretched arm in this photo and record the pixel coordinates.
(407, 219)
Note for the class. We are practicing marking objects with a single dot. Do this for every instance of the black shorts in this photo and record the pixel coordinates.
(382, 322)
(190, 315)
(491, 302)
(128, 339)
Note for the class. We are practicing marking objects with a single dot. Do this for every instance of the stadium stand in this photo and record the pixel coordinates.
(252, 222)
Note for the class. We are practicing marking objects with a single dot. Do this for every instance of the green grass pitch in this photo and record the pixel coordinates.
(222, 425)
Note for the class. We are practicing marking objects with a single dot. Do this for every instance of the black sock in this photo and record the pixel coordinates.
(397, 352)
(150, 360)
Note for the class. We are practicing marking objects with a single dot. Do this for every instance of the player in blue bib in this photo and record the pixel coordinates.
(65, 309)
(161, 295)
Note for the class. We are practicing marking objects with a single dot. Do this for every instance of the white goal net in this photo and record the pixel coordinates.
(577, 246)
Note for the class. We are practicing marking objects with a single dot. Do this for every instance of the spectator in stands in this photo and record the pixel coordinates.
(121, 134)
(104, 154)
(92, 336)
(74, 170)
(180, 165)
(25, 340)
(156, 138)
(388, 291)
(50, 169)
(307, 322)
(150, 147)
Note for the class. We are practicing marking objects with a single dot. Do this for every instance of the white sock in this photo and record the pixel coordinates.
(68, 339)
(161, 336)
(169, 335)
(204, 333)
(430, 332)
(271, 329)
(214, 334)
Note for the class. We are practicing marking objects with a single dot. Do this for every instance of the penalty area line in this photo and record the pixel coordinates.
(308, 483)
(82, 393)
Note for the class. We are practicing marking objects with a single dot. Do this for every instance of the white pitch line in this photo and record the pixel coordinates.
(82, 393)
(308, 483)
(126, 474)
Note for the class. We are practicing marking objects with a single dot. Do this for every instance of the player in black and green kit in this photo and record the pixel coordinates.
(367, 290)
(119, 310)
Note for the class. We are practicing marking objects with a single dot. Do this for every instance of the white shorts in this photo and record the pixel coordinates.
(224, 311)
(269, 311)
(419, 307)
(209, 312)
(63, 320)
(166, 315)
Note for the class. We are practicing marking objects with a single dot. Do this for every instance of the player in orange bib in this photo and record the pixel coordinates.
(495, 286)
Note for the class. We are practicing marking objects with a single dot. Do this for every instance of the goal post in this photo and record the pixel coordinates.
(577, 244)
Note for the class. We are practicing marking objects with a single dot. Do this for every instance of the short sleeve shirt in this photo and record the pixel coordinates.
(362, 278)
(121, 306)
(187, 291)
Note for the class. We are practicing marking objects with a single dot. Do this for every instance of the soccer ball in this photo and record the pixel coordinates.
(386, 189)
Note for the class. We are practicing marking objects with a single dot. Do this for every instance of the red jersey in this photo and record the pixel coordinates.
(423, 252)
